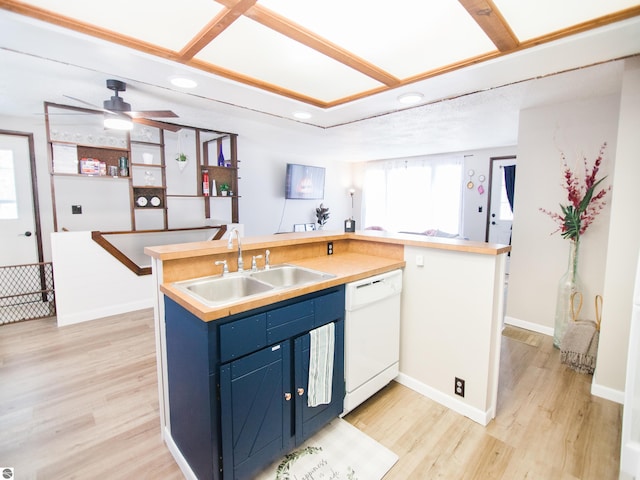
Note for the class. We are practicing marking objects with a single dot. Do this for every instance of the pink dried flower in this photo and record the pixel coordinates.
(583, 206)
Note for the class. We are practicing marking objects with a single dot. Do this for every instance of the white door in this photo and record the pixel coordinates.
(500, 215)
(17, 224)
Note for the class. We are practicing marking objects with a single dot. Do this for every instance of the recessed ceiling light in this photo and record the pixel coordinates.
(302, 115)
(183, 82)
(410, 98)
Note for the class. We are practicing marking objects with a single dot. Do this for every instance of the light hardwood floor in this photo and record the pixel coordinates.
(81, 402)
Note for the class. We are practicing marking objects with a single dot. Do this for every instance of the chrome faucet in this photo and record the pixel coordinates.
(254, 264)
(225, 268)
(230, 245)
(267, 266)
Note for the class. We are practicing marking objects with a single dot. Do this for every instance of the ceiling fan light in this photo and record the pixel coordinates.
(410, 98)
(116, 122)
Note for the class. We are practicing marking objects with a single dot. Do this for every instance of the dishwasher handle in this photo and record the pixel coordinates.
(369, 291)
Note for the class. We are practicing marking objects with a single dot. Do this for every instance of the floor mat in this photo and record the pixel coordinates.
(338, 451)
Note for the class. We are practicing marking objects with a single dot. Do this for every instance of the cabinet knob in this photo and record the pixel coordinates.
(287, 396)
(300, 392)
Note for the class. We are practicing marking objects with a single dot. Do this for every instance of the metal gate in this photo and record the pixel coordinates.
(26, 292)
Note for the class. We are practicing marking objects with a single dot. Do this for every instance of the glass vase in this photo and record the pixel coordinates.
(569, 284)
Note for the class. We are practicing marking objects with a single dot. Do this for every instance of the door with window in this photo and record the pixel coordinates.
(17, 223)
(26, 284)
(500, 208)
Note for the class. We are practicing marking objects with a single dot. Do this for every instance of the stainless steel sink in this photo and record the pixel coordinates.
(215, 291)
(289, 276)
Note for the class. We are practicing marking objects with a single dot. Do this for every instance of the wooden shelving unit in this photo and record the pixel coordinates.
(146, 152)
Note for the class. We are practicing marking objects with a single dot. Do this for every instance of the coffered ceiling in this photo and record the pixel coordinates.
(342, 62)
(326, 53)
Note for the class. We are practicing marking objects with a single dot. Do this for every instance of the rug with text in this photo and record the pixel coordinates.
(337, 452)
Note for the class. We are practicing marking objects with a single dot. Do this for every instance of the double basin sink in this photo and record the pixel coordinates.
(216, 291)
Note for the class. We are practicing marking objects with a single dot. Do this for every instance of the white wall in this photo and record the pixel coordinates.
(451, 325)
(263, 208)
(539, 259)
(91, 284)
(624, 240)
(475, 221)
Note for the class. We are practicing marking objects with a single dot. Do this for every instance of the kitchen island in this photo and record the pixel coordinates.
(451, 307)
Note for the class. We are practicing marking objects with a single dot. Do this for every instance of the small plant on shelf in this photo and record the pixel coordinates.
(224, 189)
(182, 159)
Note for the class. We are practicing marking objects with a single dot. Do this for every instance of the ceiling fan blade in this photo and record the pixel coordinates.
(87, 103)
(154, 123)
(153, 114)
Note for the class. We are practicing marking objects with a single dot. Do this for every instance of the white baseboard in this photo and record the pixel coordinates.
(177, 456)
(607, 393)
(478, 416)
(534, 327)
(102, 312)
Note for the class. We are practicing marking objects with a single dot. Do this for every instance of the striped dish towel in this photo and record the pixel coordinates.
(321, 365)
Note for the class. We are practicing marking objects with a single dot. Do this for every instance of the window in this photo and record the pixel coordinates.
(413, 195)
(8, 200)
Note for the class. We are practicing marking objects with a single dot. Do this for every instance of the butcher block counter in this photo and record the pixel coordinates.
(346, 267)
(355, 256)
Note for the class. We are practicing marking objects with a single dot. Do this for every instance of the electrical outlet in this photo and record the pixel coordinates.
(76, 209)
(458, 388)
(330, 248)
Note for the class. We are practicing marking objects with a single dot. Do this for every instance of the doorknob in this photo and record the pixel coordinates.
(25, 234)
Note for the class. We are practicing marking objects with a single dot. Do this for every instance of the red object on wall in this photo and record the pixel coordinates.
(205, 183)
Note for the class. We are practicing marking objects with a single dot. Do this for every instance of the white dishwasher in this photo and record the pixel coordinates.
(371, 336)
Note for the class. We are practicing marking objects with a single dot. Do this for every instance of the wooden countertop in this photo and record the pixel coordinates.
(347, 267)
(348, 264)
(441, 243)
(195, 249)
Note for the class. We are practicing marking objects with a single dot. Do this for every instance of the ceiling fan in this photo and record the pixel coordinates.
(118, 113)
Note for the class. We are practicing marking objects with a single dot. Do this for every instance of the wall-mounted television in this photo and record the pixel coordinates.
(304, 182)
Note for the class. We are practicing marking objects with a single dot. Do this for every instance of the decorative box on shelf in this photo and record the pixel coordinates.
(92, 166)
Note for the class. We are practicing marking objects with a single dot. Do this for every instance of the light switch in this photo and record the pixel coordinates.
(419, 260)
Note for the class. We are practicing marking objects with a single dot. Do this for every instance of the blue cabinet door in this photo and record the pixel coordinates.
(256, 406)
(311, 419)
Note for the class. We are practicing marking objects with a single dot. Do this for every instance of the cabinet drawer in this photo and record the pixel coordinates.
(283, 323)
(243, 336)
(329, 308)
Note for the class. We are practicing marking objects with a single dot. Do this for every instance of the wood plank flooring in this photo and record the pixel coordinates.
(81, 402)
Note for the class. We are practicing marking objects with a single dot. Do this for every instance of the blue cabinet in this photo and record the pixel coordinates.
(238, 386)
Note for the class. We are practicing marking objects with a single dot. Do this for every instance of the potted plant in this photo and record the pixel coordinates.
(182, 159)
(322, 214)
(224, 189)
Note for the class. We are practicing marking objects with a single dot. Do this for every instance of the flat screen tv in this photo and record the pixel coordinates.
(304, 182)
